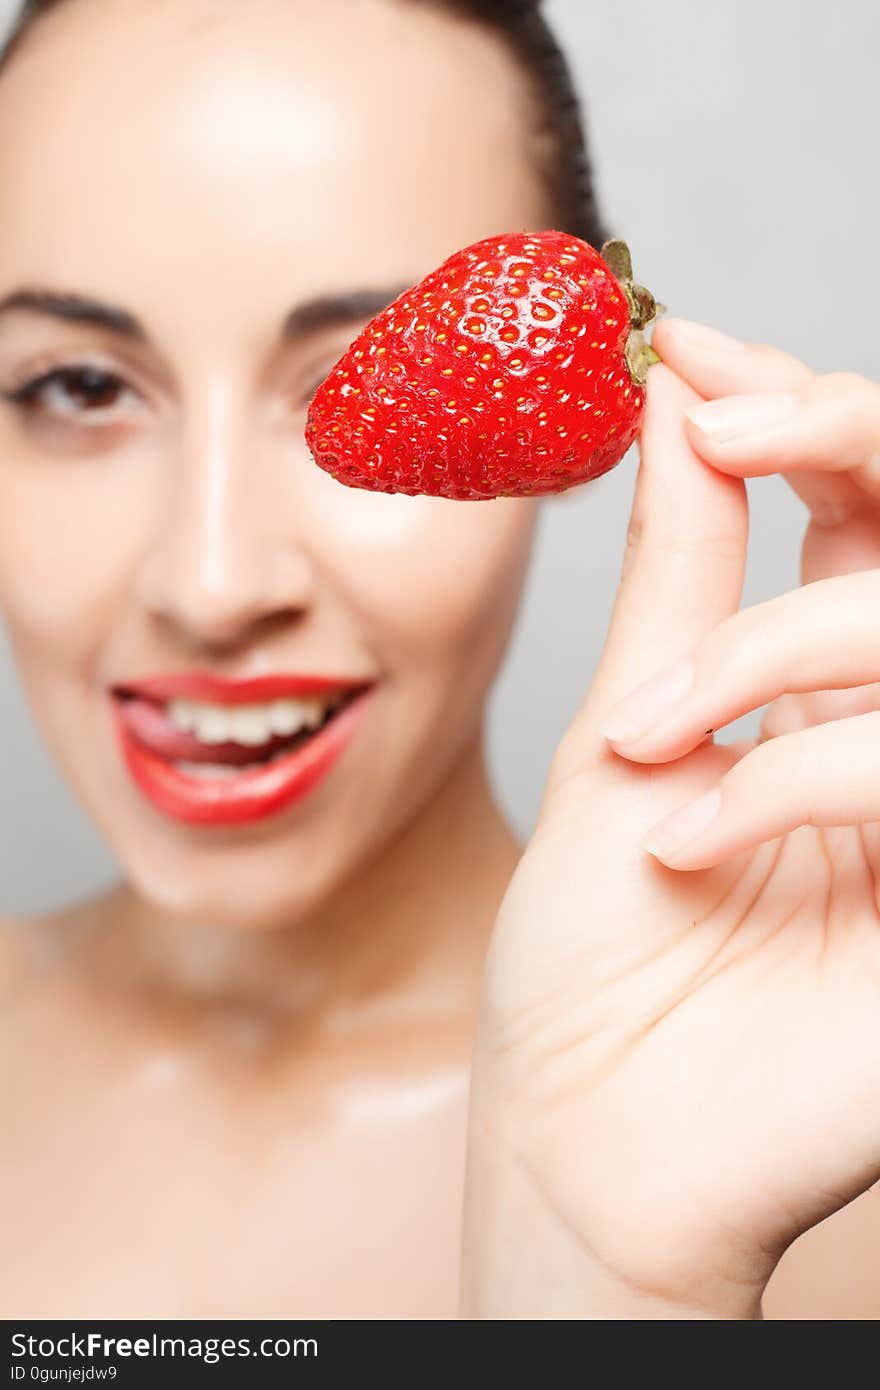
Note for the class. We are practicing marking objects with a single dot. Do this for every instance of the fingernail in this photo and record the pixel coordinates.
(697, 335)
(634, 715)
(683, 826)
(733, 417)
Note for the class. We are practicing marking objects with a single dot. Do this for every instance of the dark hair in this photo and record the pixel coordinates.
(563, 157)
(564, 163)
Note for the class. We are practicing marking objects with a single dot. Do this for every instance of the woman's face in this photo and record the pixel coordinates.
(219, 172)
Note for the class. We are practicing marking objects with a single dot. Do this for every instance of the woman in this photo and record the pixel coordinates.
(240, 1079)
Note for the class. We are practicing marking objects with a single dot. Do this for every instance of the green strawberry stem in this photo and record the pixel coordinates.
(643, 309)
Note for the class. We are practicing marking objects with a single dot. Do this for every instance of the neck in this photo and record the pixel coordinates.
(407, 935)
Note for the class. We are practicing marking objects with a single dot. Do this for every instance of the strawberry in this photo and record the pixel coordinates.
(516, 368)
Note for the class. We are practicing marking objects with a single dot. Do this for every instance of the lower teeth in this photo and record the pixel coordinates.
(225, 771)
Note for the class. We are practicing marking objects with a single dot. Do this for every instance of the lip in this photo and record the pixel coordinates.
(252, 795)
(222, 690)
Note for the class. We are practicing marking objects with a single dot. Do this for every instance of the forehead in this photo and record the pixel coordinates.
(232, 143)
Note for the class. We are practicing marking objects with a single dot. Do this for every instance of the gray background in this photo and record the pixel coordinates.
(736, 150)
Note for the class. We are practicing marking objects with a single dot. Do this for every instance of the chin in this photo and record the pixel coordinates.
(256, 893)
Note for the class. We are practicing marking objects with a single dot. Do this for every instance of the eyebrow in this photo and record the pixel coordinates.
(323, 311)
(73, 308)
(333, 310)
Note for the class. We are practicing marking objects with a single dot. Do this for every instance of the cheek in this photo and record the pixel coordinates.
(430, 578)
(68, 532)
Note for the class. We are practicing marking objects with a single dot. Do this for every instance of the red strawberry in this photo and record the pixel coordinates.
(517, 368)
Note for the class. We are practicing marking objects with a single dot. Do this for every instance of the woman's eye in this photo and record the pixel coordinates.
(312, 387)
(71, 391)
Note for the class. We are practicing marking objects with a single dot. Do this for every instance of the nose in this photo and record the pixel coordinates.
(224, 557)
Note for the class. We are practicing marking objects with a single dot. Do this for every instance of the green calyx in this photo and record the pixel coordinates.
(643, 309)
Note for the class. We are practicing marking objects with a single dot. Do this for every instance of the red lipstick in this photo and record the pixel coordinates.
(222, 690)
(153, 749)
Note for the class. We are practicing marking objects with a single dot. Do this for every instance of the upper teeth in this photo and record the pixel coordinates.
(250, 725)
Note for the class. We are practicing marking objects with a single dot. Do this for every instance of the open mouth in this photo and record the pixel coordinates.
(215, 740)
(213, 762)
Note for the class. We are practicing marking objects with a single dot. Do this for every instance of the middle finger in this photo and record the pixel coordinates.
(823, 636)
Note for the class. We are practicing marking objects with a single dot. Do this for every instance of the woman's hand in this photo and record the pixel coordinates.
(678, 1073)
(826, 450)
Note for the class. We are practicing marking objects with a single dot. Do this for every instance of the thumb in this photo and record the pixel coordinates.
(683, 566)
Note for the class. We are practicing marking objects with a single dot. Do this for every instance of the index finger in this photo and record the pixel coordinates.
(718, 366)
